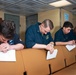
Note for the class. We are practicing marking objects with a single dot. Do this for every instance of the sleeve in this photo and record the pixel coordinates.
(71, 35)
(57, 37)
(29, 38)
(51, 39)
(74, 37)
(17, 39)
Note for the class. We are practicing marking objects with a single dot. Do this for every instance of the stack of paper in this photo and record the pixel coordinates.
(8, 56)
(53, 55)
(70, 47)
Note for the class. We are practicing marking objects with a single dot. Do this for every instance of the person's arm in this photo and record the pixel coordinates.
(18, 43)
(42, 46)
(16, 47)
(60, 43)
(65, 43)
(29, 38)
(5, 47)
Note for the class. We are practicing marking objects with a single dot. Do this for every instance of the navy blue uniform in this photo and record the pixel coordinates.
(74, 36)
(33, 36)
(61, 37)
(15, 40)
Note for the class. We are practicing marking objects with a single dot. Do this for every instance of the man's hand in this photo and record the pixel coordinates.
(50, 48)
(71, 42)
(4, 47)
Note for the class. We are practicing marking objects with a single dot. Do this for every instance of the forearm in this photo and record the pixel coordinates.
(66, 43)
(16, 47)
(1, 48)
(61, 43)
(40, 46)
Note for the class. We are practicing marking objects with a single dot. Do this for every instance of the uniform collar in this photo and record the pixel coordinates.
(37, 28)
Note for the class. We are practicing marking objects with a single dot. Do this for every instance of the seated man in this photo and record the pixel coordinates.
(64, 35)
(38, 36)
(8, 38)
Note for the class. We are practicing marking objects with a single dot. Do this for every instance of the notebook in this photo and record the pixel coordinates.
(70, 47)
(51, 56)
(8, 56)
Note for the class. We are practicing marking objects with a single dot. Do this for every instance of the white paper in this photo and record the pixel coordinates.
(70, 47)
(8, 56)
(51, 56)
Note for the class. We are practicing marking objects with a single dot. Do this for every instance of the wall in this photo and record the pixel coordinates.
(22, 23)
(2, 15)
(57, 16)
(74, 20)
(22, 27)
(52, 15)
(62, 16)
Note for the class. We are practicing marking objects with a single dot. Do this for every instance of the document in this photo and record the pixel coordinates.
(53, 55)
(8, 56)
(70, 47)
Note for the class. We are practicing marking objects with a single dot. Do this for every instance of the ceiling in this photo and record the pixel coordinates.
(29, 7)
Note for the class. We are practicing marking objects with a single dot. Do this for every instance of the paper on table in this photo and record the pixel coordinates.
(53, 55)
(70, 47)
(8, 56)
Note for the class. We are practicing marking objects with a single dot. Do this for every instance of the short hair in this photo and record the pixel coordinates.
(68, 24)
(7, 29)
(48, 22)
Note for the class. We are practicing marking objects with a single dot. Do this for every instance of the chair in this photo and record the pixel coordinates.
(69, 56)
(58, 62)
(12, 68)
(35, 62)
(75, 53)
